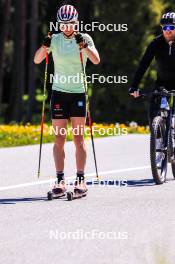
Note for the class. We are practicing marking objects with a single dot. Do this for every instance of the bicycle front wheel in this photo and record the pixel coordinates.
(158, 150)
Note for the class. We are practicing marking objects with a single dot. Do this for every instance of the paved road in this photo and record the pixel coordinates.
(112, 225)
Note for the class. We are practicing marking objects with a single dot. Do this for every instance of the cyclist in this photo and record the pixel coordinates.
(68, 100)
(162, 49)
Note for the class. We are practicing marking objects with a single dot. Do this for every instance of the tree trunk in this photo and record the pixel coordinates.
(15, 109)
(31, 67)
(4, 33)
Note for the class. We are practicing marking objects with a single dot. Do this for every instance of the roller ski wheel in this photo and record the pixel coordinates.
(70, 196)
(50, 196)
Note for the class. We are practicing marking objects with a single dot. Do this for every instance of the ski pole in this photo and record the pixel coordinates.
(88, 111)
(43, 110)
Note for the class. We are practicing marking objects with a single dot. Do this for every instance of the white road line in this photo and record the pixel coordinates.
(27, 184)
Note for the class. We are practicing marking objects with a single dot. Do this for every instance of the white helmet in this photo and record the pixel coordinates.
(67, 13)
(168, 18)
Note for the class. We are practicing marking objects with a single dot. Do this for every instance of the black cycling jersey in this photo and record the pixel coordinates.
(164, 55)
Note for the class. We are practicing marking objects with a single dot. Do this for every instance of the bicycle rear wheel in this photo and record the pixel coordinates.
(158, 167)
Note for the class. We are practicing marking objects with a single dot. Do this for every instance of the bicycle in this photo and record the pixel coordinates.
(162, 136)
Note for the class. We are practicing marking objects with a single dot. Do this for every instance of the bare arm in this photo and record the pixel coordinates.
(86, 42)
(40, 55)
(93, 55)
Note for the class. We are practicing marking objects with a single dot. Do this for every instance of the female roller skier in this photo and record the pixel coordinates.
(68, 99)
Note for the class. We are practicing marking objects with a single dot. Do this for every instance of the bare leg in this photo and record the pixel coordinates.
(60, 126)
(78, 124)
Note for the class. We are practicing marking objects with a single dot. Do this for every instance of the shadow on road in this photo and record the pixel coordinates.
(17, 200)
(145, 182)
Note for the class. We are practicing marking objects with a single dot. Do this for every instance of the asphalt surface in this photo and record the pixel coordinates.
(134, 223)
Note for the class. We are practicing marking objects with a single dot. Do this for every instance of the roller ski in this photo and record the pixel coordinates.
(58, 191)
(80, 189)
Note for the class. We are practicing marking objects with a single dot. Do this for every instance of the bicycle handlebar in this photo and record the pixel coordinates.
(163, 92)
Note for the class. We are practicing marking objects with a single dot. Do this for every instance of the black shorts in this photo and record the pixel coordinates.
(66, 105)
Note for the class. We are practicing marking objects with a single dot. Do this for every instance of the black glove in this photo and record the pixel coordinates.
(47, 41)
(79, 38)
(132, 90)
